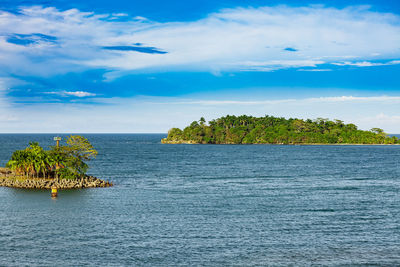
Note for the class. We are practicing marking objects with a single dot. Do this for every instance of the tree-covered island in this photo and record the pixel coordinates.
(273, 130)
(63, 166)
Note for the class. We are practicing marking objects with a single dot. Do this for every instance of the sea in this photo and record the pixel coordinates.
(209, 205)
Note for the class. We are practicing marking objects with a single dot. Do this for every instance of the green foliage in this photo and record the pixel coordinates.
(67, 173)
(175, 134)
(79, 147)
(273, 130)
(66, 161)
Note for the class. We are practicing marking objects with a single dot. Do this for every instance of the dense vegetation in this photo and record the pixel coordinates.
(272, 130)
(64, 161)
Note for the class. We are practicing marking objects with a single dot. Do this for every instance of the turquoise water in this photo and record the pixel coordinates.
(215, 205)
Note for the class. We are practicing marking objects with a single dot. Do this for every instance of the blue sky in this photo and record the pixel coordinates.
(147, 66)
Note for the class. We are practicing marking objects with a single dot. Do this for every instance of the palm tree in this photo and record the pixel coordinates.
(18, 162)
(42, 162)
(56, 160)
(36, 159)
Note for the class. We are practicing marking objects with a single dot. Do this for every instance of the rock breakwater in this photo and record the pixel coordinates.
(166, 141)
(86, 182)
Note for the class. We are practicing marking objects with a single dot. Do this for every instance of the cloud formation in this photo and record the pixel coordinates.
(333, 99)
(134, 114)
(46, 41)
(72, 93)
(367, 63)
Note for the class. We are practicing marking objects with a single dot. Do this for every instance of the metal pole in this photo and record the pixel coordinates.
(57, 139)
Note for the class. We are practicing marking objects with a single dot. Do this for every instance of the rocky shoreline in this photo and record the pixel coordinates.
(166, 141)
(191, 142)
(86, 182)
(9, 180)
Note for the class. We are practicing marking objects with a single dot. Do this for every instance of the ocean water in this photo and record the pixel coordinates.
(213, 205)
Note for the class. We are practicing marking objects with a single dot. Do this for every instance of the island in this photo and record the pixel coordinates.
(275, 130)
(63, 166)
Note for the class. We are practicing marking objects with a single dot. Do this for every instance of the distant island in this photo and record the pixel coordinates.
(63, 166)
(273, 130)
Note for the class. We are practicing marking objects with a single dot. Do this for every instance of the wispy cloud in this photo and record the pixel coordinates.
(277, 64)
(384, 118)
(366, 63)
(313, 70)
(332, 99)
(72, 93)
(356, 99)
(134, 114)
(79, 93)
(269, 38)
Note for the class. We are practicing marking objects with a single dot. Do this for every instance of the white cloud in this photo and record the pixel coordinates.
(354, 99)
(233, 102)
(140, 18)
(251, 39)
(314, 70)
(134, 115)
(276, 64)
(385, 118)
(366, 63)
(79, 93)
(72, 93)
(120, 14)
(381, 120)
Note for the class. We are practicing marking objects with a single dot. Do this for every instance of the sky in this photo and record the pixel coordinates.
(99, 66)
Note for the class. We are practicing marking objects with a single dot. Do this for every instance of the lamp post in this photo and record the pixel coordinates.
(57, 139)
(54, 192)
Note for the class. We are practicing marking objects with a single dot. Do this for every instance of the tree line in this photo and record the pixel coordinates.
(275, 130)
(65, 161)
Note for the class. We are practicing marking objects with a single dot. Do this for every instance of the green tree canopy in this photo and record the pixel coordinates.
(66, 161)
(275, 130)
